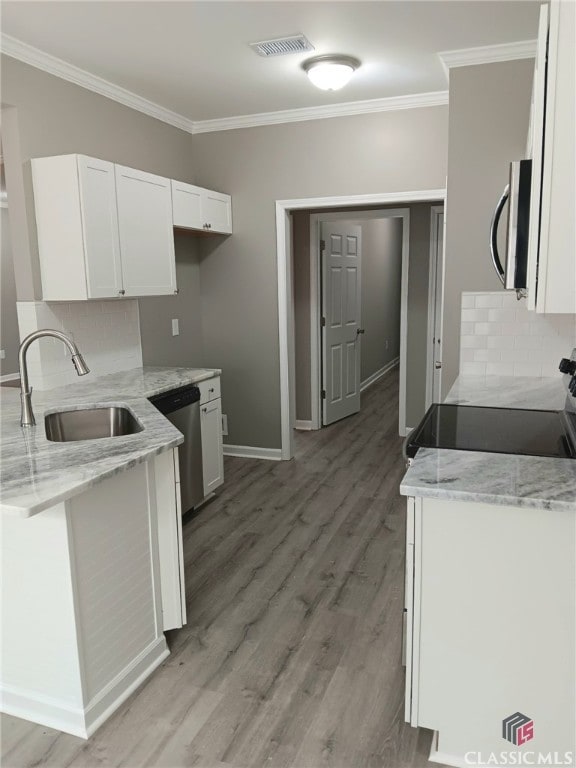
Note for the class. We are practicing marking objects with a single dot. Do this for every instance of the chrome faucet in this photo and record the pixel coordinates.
(27, 415)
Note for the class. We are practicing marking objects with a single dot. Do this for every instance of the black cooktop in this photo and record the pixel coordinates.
(494, 430)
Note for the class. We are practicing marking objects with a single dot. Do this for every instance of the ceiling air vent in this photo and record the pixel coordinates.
(282, 46)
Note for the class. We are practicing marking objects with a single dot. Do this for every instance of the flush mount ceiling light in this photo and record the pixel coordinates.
(330, 73)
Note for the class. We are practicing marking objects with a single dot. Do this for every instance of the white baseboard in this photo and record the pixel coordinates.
(250, 452)
(10, 377)
(83, 721)
(378, 374)
(303, 424)
(118, 690)
(45, 710)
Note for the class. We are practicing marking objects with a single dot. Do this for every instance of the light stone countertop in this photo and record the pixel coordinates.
(36, 474)
(497, 478)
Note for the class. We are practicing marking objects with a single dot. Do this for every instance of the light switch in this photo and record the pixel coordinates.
(2, 354)
(175, 327)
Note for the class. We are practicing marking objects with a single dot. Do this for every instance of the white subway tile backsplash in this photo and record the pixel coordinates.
(500, 336)
(500, 342)
(483, 329)
(502, 315)
(474, 315)
(476, 369)
(487, 300)
(500, 369)
(473, 342)
(106, 332)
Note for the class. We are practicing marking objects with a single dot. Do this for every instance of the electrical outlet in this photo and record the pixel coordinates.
(224, 424)
(175, 327)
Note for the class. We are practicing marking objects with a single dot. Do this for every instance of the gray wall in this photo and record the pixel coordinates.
(56, 117)
(9, 338)
(302, 300)
(381, 275)
(387, 152)
(419, 268)
(488, 126)
(159, 347)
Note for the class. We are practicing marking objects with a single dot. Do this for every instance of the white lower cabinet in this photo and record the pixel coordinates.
(492, 614)
(170, 549)
(82, 602)
(212, 448)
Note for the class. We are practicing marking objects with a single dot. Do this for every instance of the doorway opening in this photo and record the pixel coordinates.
(354, 207)
(348, 310)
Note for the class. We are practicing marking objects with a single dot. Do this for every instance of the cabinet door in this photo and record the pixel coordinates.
(187, 205)
(146, 234)
(170, 550)
(556, 262)
(217, 211)
(100, 227)
(535, 143)
(212, 450)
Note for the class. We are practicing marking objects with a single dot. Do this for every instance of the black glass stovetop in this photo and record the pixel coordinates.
(494, 430)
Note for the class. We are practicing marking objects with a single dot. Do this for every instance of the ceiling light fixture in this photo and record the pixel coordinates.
(330, 73)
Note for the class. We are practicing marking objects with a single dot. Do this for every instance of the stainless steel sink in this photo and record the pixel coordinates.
(90, 424)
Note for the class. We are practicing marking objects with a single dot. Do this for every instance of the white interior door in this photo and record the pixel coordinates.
(435, 303)
(341, 258)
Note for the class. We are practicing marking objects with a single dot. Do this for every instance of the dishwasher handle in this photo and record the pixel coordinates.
(168, 402)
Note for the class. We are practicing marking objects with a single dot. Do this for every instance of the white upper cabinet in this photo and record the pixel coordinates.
(187, 206)
(197, 208)
(218, 211)
(552, 237)
(146, 237)
(105, 230)
(76, 218)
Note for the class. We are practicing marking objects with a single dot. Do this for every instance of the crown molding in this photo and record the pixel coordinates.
(16, 49)
(488, 54)
(28, 54)
(413, 101)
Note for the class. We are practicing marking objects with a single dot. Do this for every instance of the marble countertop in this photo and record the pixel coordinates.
(497, 478)
(36, 474)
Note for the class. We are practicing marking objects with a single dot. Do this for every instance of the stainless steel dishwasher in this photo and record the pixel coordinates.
(182, 408)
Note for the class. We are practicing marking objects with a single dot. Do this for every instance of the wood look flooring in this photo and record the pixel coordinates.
(292, 653)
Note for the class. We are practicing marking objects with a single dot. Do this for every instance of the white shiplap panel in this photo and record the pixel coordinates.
(114, 580)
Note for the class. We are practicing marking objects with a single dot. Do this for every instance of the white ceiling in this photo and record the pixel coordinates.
(193, 57)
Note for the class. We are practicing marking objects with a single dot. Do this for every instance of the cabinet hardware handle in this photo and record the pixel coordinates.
(122, 292)
(211, 390)
(204, 410)
(177, 290)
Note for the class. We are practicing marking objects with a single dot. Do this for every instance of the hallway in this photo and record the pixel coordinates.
(291, 655)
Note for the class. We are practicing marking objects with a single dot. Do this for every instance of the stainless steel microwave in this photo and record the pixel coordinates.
(513, 274)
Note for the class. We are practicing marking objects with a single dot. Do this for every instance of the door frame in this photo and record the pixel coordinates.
(436, 261)
(316, 303)
(285, 285)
